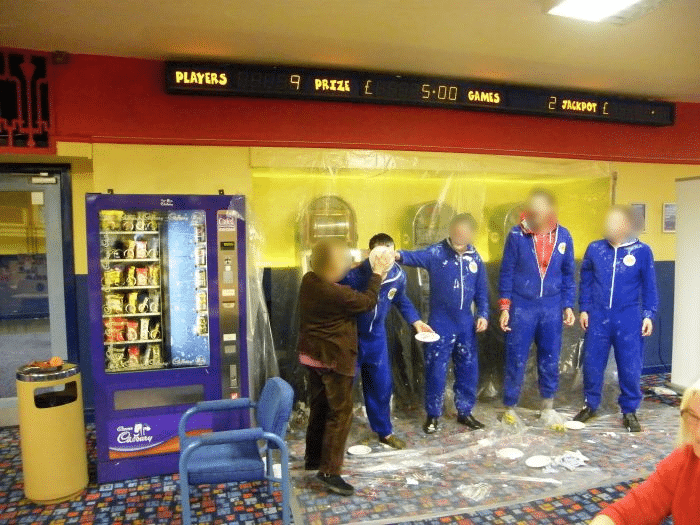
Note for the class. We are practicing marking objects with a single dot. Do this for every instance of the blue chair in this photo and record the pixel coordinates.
(234, 455)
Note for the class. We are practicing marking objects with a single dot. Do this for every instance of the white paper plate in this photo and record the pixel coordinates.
(575, 425)
(510, 453)
(538, 461)
(427, 337)
(359, 450)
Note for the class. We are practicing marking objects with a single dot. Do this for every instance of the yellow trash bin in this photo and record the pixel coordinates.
(52, 432)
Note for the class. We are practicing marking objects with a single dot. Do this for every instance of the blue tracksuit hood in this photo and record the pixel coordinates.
(617, 278)
(456, 281)
(392, 291)
(520, 272)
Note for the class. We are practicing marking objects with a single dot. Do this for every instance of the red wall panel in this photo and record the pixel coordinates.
(107, 99)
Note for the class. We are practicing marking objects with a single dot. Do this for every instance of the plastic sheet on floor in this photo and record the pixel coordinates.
(458, 471)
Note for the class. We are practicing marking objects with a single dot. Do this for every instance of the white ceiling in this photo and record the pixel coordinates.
(506, 40)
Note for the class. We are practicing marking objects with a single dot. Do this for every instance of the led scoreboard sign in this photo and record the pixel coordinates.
(354, 86)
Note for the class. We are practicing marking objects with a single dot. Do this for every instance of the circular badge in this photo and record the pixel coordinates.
(392, 293)
(562, 247)
(629, 260)
(473, 267)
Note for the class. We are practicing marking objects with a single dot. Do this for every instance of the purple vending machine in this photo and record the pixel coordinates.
(167, 289)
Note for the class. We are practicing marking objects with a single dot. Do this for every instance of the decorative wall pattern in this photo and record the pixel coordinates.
(25, 119)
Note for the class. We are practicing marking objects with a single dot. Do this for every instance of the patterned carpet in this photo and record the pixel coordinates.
(156, 500)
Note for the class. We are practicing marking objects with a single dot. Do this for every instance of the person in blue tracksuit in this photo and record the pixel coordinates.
(537, 292)
(457, 280)
(618, 301)
(373, 354)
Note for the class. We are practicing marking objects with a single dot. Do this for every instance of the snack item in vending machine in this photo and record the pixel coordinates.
(114, 329)
(142, 219)
(144, 328)
(200, 256)
(154, 303)
(131, 276)
(128, 222)
(143, 305)
(154, 275)
(156, 357)
(141, 276)
(155, 333)
(141, 250)
(132, 333)
(201, 278)
(114, 303)
(130, 250)
(202, 324)
(110, 220)
(201, 301)
(152, 222)
(200, 234)
(112, 277)
(131, 302)
(146, 357)
(115, 358)
(134, 354)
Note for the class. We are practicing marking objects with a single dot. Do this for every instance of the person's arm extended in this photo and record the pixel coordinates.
(585, 295)
(505, 278)
(352, 301)
(650, 294)
(481, 293)
(355, 279)
(568, 268)
(420, 258)
(404, 304)
(649, 503)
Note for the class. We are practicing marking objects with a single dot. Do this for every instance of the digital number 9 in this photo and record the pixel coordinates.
(295, 80)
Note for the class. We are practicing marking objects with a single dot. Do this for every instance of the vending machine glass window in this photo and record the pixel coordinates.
(154, 261)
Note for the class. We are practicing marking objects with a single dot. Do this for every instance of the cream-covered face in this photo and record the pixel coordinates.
(461, 233)
(691, 420)
(540, 210)
(617, 226)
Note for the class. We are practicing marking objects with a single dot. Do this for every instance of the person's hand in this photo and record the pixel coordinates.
(583, 320)
(397, 255)
(569, 317)
(420, 326)
(383, 263)
(647, 327)
(481, 324)
(505, 319)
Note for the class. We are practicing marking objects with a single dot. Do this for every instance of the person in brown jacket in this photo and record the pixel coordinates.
(328, 348)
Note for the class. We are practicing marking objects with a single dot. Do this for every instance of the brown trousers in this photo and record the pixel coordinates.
(330, 403)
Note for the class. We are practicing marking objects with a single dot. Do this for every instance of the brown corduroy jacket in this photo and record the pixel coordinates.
(328, 329)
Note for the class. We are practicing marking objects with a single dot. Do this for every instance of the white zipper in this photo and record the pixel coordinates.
(612, 286)
(537, 262)
(373, 318)
(461, 281)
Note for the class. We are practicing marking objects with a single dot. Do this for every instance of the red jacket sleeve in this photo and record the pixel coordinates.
(650, 502)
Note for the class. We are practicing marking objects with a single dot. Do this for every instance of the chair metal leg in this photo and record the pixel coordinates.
(270, 471)
(284, 486)
(185, 500)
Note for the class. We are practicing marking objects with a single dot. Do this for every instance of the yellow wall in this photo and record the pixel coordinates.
(204, 169)
(653, 184)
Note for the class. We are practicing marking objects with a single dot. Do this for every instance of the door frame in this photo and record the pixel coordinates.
(62, 173)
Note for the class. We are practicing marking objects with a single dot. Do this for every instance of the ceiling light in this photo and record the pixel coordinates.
(591, 10)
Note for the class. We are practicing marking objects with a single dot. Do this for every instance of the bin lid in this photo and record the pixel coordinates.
(35, 373)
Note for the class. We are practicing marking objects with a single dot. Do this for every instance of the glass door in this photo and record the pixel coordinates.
(32, 306)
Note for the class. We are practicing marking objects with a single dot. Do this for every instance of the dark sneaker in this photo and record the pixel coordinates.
(336, 484)
(393, 442)
(431, 425)
(585, 414)
(470, 422)
(631, 423)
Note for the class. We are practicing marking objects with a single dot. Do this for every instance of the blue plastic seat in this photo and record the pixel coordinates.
(235, 455)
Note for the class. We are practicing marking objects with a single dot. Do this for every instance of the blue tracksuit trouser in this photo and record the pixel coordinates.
(623, 331)
(538, 320)
(465, 356)
(377, 385)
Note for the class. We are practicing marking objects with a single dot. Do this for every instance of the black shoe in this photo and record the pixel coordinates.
(311, 465)
(431, 425)
(585, 414)
(336, 484)
(470, 422)
(631, 423)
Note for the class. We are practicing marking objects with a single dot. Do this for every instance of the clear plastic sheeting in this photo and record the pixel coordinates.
(302, 195)
(457, 471)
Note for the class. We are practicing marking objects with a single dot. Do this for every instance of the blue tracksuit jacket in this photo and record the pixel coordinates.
(373, 356)
(456, 282)
(617, 290)
(536, 308)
